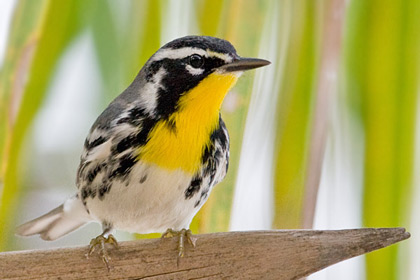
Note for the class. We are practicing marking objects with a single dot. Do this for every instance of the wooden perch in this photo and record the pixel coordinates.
(279, 254)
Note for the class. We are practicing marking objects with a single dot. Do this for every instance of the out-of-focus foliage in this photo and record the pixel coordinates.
(294, 113)
(380, 71)
(29, 64)
(242, 26)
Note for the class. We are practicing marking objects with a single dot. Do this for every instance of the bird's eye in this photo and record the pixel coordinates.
(196, 61)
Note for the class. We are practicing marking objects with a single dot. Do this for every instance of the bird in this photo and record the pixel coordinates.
(152, 157)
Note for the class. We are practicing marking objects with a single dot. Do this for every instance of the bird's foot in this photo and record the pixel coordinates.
(182, 235)
(100, 242)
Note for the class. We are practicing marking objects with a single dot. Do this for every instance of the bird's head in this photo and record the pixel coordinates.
(192, 71)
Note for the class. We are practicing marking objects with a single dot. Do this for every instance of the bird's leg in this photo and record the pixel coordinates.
(101, 241)
(182, 235)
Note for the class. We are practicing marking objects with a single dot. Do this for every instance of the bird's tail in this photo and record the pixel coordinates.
(65, 218)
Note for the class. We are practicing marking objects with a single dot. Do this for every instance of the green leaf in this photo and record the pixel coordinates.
(208, 14)
(241, 25)
(294, 114)
(21, 45)
(123, 48)
(48, 32)
(383, 67)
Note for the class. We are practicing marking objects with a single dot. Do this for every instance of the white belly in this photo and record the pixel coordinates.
(151, 200)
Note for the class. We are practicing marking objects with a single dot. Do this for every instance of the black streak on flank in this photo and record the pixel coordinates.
(124, 166)
(143, 179)
(105, 188)
(219, 134)
(92, 174)
(193, 188)
(87, 192)
(84, 193)
(204, 193)
(124, 144)
(206, 153)
(214, 153)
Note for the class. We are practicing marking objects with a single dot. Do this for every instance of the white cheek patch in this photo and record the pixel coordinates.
(148, 97)
(159, 75)
(194, 71)
(149, 94)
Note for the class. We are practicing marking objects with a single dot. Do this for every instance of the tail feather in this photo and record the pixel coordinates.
(58, 222)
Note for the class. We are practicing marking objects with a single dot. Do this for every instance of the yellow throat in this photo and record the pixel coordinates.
(197, 117)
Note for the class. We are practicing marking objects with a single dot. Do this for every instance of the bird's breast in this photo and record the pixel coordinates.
(179, 141)
(178, 145)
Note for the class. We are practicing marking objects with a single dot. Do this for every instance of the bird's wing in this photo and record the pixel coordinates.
(112, 147)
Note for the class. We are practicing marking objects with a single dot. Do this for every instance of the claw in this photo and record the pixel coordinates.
(111, 240)
(190, 238)
(182, 235)
(169, 233)
(101, 241)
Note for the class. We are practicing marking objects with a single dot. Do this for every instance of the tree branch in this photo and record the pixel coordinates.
(279, 254)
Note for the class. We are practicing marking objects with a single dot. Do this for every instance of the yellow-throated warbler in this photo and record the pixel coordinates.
(152, 157)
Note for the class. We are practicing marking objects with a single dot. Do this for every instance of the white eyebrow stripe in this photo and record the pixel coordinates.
(187, 51)
(223, 56)
(177, 53)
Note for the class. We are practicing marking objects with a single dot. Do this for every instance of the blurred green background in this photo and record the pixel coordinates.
(326, 137)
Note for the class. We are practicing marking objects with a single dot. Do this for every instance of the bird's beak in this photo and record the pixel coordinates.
(243, 64)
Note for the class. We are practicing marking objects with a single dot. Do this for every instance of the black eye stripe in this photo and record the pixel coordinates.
(176, 80)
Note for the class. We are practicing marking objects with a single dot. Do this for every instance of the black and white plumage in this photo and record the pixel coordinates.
(124, 180)
(107, 185)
